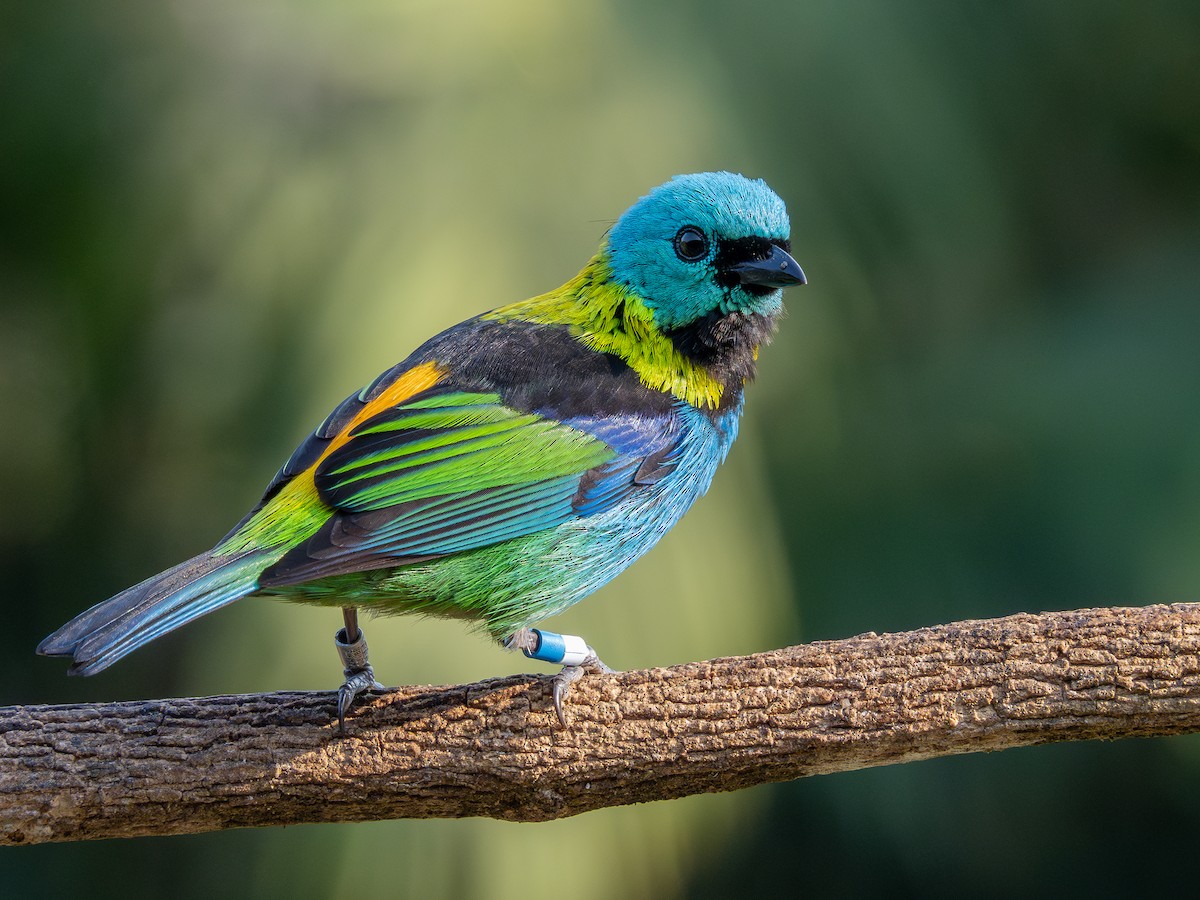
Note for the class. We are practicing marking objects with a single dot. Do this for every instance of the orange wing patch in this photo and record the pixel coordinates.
(417, 379)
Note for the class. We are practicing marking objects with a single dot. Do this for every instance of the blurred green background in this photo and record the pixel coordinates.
(217, 219)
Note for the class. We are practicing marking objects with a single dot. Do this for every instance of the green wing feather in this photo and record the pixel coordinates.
(450, 444)
(444, 473)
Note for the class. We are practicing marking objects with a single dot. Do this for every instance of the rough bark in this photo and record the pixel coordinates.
(494, 748)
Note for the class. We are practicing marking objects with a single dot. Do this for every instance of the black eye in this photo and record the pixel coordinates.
(691, 244)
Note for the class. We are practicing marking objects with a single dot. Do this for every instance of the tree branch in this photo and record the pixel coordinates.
(494, 749)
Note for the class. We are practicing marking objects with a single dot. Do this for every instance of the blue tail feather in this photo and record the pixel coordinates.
(97, 638)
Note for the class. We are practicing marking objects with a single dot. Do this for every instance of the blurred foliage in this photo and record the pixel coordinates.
(218, 219)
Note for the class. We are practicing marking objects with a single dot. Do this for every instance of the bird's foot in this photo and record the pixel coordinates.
(570, 674)
(569, 650)
(360, 677)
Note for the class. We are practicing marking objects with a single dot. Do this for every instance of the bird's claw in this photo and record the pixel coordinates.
(561, 683)
(357, 682)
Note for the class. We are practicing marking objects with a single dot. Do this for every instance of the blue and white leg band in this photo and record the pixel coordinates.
(563, 649)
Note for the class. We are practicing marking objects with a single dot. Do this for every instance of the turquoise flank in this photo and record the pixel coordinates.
(523, 581)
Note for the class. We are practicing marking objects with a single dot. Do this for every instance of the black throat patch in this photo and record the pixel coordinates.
(726, 346)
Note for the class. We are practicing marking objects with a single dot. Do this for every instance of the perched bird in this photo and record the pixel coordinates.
(514, 463)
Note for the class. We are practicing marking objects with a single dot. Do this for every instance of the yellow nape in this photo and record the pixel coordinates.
(608, 317)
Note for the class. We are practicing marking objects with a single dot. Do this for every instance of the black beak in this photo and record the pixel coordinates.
(776, 271)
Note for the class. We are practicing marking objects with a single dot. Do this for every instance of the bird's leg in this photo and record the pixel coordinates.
(351, 646)
(568, 650)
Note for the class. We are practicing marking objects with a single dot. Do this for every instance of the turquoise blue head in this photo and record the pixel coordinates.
(705, 245)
